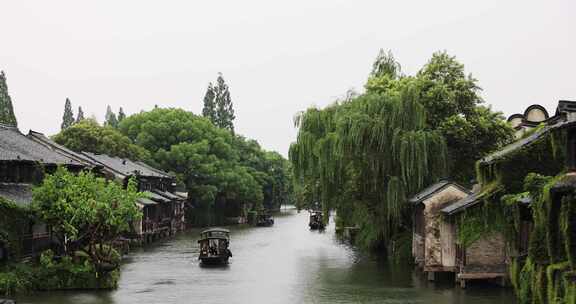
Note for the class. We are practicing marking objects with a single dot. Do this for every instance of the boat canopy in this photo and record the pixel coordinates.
(215, 233)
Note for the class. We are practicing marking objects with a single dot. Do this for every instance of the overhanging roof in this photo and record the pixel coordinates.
(433, 189)
(146, 202)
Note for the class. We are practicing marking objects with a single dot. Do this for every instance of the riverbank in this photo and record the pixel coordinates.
(48, 274)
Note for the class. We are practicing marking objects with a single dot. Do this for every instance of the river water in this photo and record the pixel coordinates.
(286, 263)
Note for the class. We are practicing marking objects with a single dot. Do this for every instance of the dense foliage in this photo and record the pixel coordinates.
(88, 135)
(453, 107)
(6, 108)
(544, 271)
(87, 214)
(365, 155)
(218, 168)
(15, 222)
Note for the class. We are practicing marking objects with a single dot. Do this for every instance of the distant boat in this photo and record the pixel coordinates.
(264, 219)
(316, 220)
(214, 246)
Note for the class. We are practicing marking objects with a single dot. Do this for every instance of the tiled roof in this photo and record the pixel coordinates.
(157, 197)
(432, 189)
(125, 167)
(16, 146)
(50, 144)
(168, 195)
(146, 202)
(463, 204)
(20, 194)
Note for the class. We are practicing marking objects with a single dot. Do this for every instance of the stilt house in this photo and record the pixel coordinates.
(434, 239)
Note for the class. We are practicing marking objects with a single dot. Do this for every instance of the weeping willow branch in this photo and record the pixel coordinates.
(366, 156)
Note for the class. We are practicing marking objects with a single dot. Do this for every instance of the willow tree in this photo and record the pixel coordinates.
(364, 157)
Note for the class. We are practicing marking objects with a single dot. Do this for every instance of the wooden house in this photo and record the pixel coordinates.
(23, 163)
(434, 239)
(163, 211)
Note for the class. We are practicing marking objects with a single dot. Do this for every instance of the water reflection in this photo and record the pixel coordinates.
(285, 263)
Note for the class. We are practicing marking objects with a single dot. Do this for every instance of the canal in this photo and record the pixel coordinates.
(285, 263)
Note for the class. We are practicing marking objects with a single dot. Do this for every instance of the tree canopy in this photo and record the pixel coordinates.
(110, 118)
(6, 108)
(87, 135)
(68, 117)
(80, 116)
(216, 166)
(365, 155)
(87, 213)
(218, 105)
(453, 107)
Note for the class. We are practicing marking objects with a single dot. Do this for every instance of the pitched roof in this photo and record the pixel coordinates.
(472, 199)
(15, 146)
(125, 167)
(167, 194)
(157, 197)
(433, 189)
(146, 202)
(463, 204)
(20, 194)
(50, 144)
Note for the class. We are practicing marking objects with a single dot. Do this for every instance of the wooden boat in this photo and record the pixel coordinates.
(214, 246)
(264, 219)
(316, 220)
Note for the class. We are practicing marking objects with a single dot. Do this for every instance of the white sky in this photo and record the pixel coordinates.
(277, 57)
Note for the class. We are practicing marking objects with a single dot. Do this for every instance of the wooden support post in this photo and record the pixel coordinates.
(431, 276)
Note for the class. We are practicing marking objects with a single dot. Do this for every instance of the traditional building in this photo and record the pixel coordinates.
(163, 210)
(434, 240)
(548, 149)
(23, 163)
(532, 117)
(485, 258)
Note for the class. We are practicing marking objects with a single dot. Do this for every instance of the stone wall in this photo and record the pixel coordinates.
(489, 251)
(433, 222)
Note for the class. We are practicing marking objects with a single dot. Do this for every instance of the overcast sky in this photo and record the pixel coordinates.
(278, 57)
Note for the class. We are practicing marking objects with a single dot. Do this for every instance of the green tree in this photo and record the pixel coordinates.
(87, 213)
(364, 157)
(453, 106)
(209, 110)
(6, 109)
(385, 65)
(80, 116)
(222, 172)
(121, 115)
(88, 136)
(110, 118)
(68, 117)
(224, 108)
